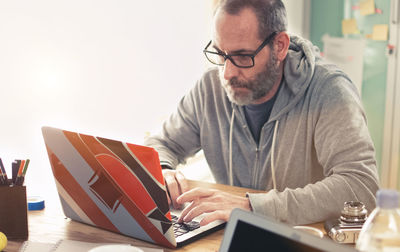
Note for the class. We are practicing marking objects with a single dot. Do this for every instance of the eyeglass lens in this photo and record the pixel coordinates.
(238, 60)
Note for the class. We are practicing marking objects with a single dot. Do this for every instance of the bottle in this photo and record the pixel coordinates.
(381, 231)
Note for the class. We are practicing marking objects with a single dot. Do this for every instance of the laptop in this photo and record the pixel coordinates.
(116, 186)
(247, 231)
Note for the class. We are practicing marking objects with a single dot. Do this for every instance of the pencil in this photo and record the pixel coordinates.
(25, 167)
(21, 168)
(22, 177)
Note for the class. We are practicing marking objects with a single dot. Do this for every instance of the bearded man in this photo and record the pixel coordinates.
(273, 116)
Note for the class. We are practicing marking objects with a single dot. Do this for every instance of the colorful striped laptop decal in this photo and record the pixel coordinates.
(110, 184)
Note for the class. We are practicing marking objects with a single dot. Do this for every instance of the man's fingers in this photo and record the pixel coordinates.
(195, 194)
(176, 184)
(198, 198)
(183, 185)
(195, 210)
(186, 210)
(172, 186)
(216, 215)
(216, 205)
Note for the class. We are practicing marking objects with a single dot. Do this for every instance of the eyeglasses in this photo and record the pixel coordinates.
(239, 60)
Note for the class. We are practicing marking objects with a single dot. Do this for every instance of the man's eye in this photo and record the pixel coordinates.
(243, 59)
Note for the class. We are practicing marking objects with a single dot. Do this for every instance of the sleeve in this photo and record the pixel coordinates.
(345, 151)
(180, 134)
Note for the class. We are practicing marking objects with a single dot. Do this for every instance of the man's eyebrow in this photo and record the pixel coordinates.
(240, 51)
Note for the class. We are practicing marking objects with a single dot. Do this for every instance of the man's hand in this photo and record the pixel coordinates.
(218, 204)
(176, 185)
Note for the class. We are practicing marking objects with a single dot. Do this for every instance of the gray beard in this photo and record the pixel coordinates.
(259, 87)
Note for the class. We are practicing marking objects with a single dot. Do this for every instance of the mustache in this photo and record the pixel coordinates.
(234, 82)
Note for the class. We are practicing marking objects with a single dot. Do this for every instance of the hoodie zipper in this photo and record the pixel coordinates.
(257, 150)
(257, 159)
(257, 162)
(256, 168)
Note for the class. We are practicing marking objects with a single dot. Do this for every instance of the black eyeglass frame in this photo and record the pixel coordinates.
(229, 56)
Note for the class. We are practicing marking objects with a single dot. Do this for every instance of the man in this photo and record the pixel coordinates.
(271, 116)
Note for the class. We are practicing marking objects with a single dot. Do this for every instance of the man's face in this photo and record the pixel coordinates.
(250, 91)
(239, 34)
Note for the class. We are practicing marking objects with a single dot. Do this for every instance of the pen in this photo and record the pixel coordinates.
(2, 181)
(15, 167)
(19, 175)
(3, 177)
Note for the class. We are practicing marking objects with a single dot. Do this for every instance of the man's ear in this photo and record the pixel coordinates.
(281, 45)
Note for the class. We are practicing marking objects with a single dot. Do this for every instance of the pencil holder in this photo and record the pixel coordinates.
(13, 212)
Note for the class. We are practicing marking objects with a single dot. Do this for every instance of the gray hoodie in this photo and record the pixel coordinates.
(316, 137)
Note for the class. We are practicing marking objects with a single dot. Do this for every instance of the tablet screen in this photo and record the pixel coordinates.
(248, 237)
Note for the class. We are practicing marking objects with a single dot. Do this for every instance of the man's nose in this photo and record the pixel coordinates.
(230, 70)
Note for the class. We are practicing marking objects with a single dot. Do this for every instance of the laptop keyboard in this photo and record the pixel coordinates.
(183, 228)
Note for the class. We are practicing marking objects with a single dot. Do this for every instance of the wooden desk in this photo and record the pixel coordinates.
(50, 225)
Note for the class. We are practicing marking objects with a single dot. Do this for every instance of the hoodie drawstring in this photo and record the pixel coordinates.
(273, 154)
(230, 148)
(272, 151)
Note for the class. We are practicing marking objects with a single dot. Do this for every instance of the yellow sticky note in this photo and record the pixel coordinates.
(367, 7)
(349, 26)
(380, 32)
(368, 36)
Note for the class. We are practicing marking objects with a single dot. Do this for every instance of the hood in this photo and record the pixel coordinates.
(298, 72)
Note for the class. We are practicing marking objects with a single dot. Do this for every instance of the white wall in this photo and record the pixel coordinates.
(110, 68)
(298, 13)
(115, 69)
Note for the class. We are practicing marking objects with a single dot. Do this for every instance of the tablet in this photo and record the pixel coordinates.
(247, 231)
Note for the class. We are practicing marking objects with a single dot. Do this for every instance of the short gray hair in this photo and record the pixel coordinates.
(271, 14)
